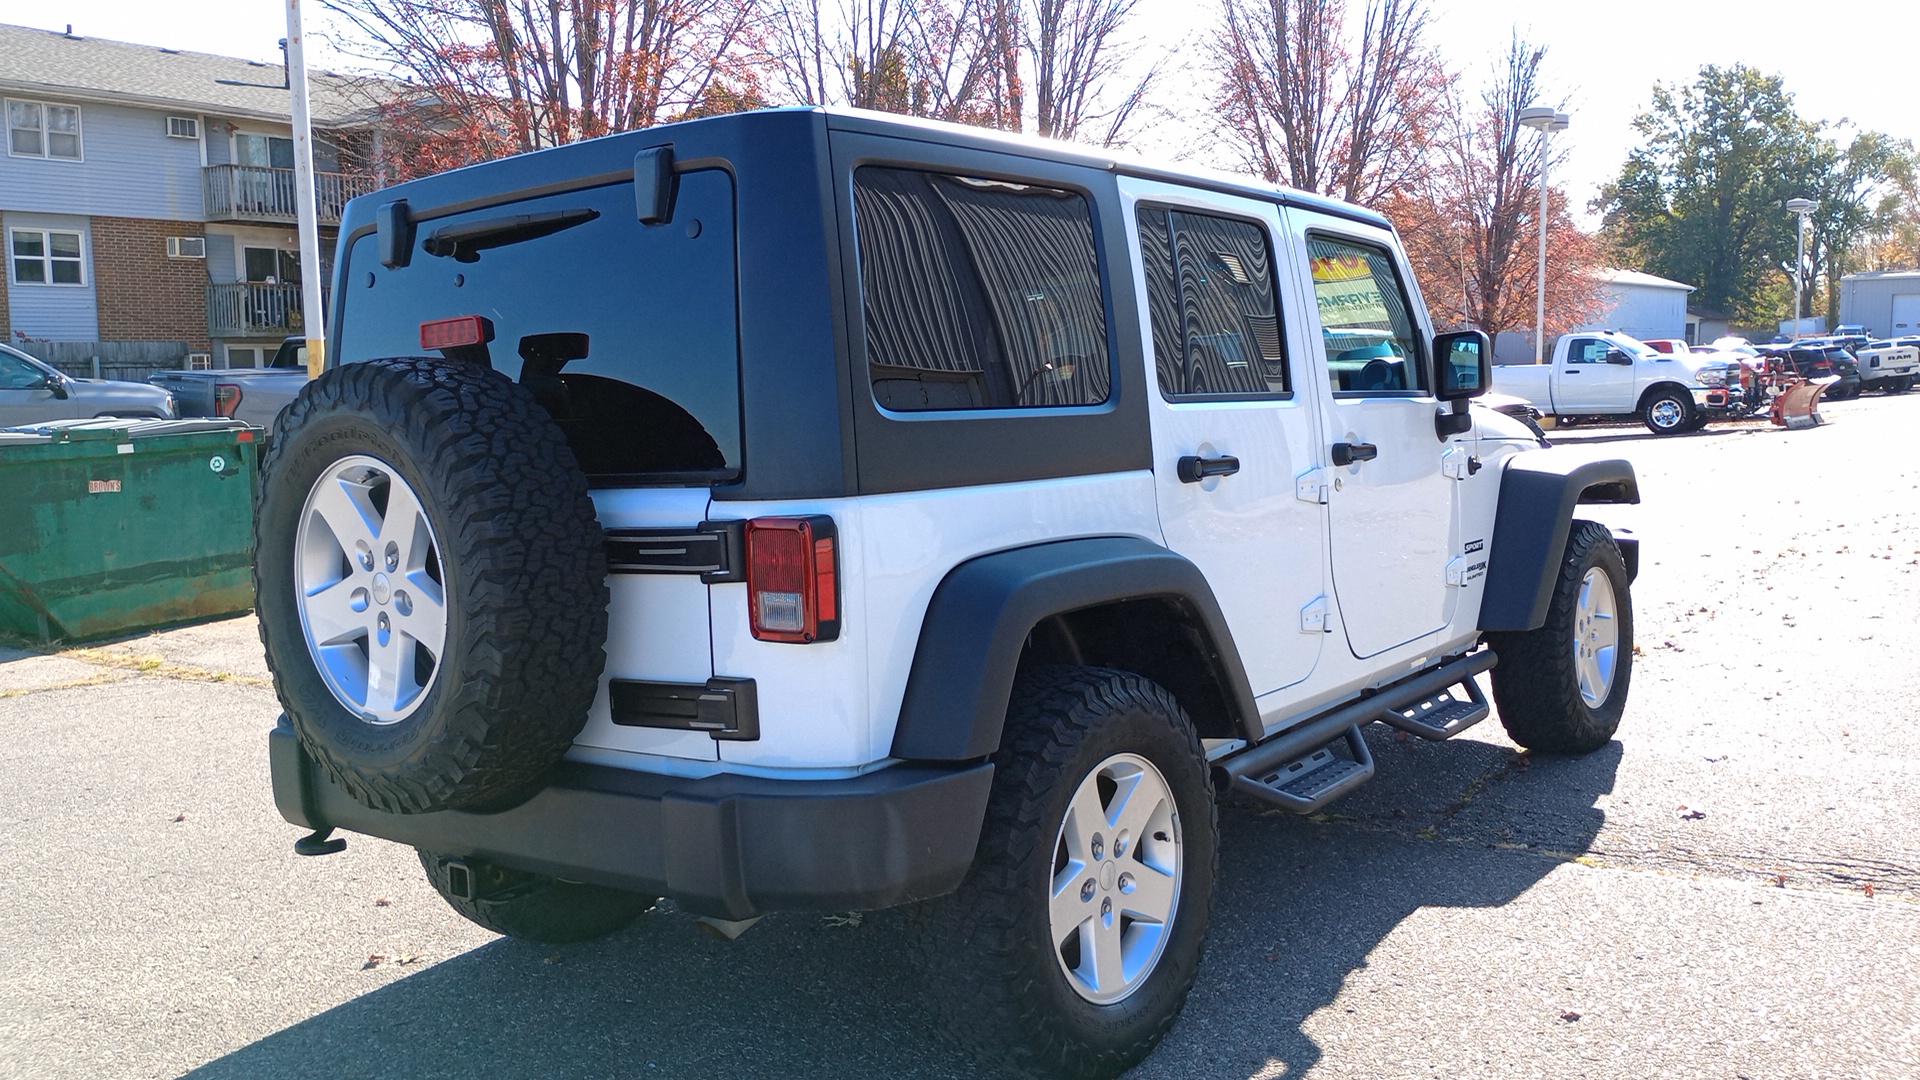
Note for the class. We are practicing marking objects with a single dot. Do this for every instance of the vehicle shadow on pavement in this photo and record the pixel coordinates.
(1302, 903)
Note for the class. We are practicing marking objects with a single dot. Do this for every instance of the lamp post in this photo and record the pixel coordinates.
(1802, 207)
(1546, 120)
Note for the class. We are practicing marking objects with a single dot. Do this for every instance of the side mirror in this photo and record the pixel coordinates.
(1462, 365)
(58, 384)
(1616, 356)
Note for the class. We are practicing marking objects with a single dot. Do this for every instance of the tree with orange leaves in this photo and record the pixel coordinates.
(1471, 224)
(496, 77)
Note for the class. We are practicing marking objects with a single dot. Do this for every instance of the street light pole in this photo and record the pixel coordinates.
(1802, 207)
(306, 212)
(1546, 121)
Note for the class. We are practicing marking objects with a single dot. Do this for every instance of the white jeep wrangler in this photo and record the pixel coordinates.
(812, 511)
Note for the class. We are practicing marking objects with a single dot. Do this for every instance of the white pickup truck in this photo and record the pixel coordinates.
(1602, 373)
(1892, 366)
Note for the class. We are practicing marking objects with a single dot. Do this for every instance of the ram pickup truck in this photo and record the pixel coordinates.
(1888, 366)
(1602, 373)
(254, 395)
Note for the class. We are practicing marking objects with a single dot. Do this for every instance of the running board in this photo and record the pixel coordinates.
(1442, 716)
(1313, 780)
(1287, 769)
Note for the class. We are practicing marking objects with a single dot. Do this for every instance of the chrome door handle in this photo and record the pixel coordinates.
(1194, 469)
(1348, 453)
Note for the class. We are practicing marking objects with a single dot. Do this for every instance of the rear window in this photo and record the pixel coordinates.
(978, 294)
(626, 333)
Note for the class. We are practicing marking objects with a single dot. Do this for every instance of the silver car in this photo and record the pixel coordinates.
(33, 392)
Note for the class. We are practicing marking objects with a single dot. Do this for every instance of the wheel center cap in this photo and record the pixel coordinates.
(1108, 874)
(382, 589)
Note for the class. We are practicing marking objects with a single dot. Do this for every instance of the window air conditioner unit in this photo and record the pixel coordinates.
(186, 247)
(183, 127)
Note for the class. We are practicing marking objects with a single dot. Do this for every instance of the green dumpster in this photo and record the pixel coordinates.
(109, 526)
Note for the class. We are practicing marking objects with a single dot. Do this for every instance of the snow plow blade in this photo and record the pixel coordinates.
(1799, 405)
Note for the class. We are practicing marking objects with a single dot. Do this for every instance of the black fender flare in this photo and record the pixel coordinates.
(982, 612)
(1538, 492)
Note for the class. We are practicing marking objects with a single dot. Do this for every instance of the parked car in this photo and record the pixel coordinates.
(33, 391)
(1815, 362)
(1602, 373)
(255, 395)
(795, 511)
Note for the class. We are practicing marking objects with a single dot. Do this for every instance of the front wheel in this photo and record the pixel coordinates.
(1071, 947)
(533, 907)
(1668, 412)
(1562, 688)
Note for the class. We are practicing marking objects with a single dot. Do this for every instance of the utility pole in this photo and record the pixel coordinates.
(1546, 120)
(1802, 207)
(312, 282)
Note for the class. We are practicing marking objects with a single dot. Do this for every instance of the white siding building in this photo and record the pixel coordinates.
(1887, 304)
(1642, 306)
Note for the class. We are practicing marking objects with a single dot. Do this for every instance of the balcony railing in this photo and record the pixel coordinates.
(258, 193)
(239, 309)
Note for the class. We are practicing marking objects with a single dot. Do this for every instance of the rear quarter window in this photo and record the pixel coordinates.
(978, 294)
(656, 396)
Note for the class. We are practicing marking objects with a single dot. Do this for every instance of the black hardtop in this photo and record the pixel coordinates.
(799, 315)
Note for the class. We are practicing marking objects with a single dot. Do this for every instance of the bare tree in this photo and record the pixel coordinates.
(1076, 58)
(505, 76)
(1471, 219)
(969, 61)
(1309, 102)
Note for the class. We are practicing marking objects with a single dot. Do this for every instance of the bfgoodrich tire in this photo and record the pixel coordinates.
(1071, 947)
(431, 584)
(1562, 688)
(534, 907)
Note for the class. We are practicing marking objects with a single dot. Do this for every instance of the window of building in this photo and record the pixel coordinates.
(46, 257)
(38, 129)
(1211, 298)
(183, 127)
(979, 294)
(1365, 321)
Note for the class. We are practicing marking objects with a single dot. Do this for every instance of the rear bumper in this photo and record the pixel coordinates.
(728, 846)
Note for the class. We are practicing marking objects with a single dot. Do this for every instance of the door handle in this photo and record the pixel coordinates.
(1348, 453)
(1571, 371)
(1194, 469)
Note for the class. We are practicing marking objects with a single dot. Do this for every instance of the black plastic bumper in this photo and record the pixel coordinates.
(728, 846)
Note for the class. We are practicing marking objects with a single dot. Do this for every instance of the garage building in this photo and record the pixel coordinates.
(1886, 303)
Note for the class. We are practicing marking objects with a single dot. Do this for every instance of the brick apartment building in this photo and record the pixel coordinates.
(144, 197)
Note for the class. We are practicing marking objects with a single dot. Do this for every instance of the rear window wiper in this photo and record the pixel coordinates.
(464, 243)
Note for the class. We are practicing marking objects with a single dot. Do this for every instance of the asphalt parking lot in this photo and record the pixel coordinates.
(1730, 889)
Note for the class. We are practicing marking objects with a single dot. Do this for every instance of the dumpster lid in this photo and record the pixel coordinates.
(116, 429)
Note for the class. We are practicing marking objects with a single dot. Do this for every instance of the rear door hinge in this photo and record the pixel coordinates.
(1311, 486)
(1313, 617)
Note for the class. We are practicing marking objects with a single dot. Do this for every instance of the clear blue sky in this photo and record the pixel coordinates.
(1858, 59)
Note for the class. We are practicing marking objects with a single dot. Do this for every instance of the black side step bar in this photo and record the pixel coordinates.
(1443, 715)
(1297, 769)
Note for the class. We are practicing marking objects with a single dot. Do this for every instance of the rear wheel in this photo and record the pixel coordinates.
(1071, 947)
(531, 906)
(1898, 385)
(1562, 688)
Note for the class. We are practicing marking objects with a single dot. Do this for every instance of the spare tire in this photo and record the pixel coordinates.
(430, 580)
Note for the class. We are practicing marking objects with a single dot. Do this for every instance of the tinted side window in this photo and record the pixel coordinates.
(978, 294)
(626, 333)
(1210, 297)
(1369, 335)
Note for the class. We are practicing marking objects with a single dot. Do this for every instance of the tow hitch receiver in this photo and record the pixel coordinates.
(470, 879)
(320, 842)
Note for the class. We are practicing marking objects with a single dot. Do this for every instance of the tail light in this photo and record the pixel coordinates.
(226, 399)
(793, 579)
(455, 333)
